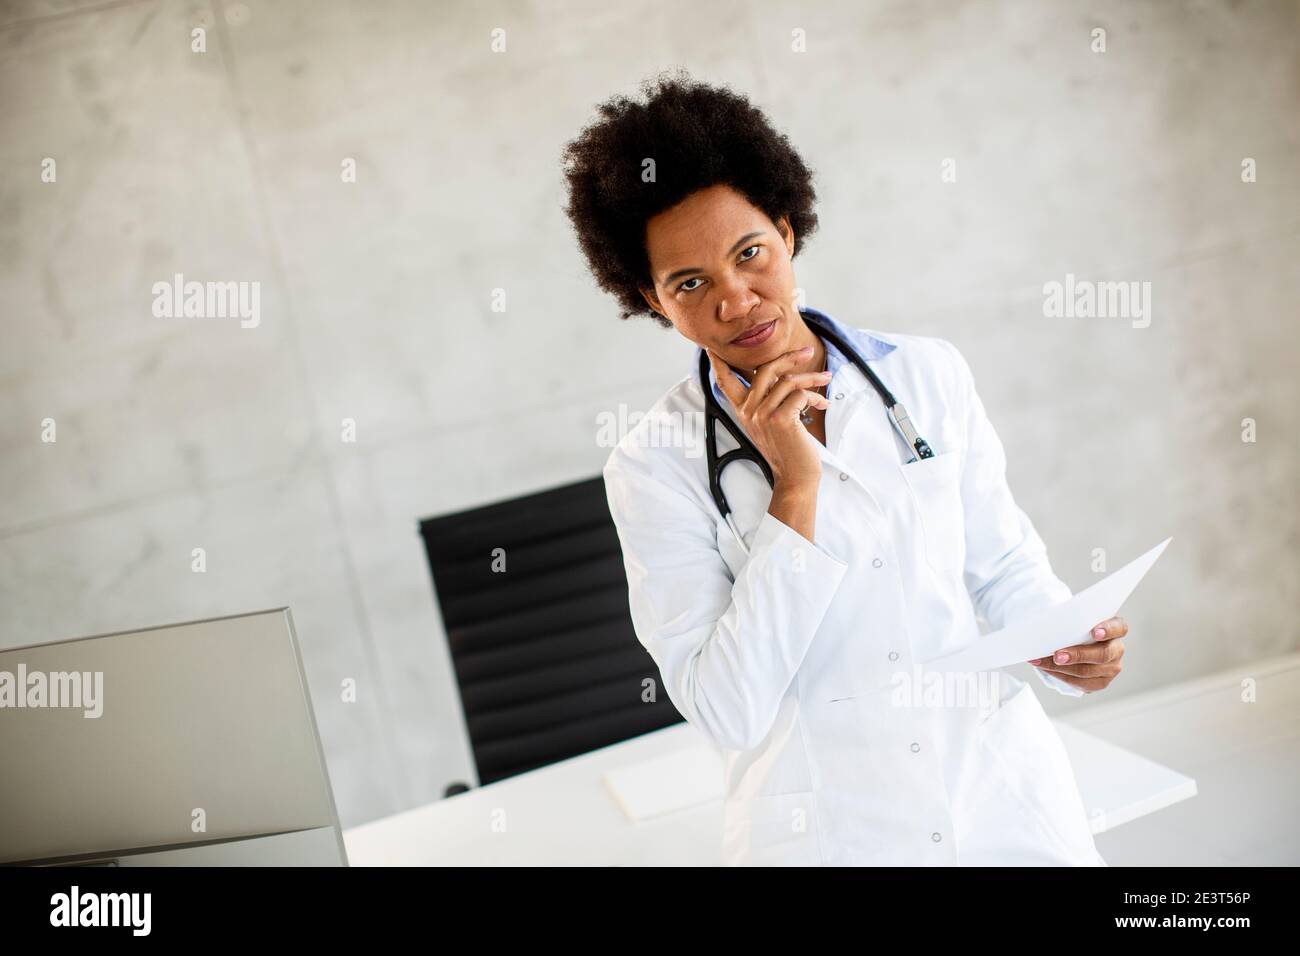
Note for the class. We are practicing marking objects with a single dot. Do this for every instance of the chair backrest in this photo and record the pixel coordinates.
(533, 597)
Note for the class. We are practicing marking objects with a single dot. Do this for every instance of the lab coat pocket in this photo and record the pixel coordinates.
(1023, 748)
(936, 486)
(775, 829)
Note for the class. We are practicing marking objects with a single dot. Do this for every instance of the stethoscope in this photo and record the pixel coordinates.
(713, 412)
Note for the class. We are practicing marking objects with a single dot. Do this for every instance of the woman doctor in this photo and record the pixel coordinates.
(797, 650)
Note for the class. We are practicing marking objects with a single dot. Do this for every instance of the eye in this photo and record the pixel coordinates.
(682, 286)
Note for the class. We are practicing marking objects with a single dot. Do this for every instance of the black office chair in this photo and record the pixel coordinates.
(544, 652)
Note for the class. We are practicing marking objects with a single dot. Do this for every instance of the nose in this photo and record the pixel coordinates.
(737, 302)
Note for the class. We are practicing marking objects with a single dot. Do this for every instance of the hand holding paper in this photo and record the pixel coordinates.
(1065, 625)
(1092, 665)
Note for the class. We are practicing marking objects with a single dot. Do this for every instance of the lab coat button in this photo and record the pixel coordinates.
(916, 748)
(936, 836)
(843, 477)
(839, 395)
(876, 563)
(893, 655)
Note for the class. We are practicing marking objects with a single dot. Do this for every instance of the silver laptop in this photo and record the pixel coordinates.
(184, 745)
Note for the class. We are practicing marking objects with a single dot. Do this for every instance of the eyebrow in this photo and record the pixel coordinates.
(731, 252)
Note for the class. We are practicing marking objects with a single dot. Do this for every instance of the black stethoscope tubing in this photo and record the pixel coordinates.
(747, 451)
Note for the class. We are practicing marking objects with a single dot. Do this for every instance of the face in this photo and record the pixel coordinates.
(722, 268)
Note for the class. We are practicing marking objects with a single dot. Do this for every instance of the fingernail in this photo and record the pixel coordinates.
(1098, 632)
(806, 348)
(1036, 660)
(1062, 657)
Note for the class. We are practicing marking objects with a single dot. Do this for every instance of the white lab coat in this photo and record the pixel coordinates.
(791, 659)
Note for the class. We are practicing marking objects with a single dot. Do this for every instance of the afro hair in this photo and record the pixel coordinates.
(698, 136)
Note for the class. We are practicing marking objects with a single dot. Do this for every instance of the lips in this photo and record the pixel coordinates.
(753, 334)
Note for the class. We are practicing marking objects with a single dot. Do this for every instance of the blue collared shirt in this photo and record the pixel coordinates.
(868, 346)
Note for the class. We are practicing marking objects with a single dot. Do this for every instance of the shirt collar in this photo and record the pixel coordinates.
(870, 347)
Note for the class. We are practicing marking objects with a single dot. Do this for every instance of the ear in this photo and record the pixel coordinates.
(787, 233)
(652, 300)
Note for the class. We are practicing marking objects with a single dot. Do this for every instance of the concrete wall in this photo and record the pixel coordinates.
(175, 434)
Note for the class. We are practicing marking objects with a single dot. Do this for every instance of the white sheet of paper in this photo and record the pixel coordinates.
(673, 781)
(1047, 630)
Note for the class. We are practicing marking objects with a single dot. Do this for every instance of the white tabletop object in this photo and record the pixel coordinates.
(565, 814)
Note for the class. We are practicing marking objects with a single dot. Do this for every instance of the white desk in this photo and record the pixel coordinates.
(563, 814)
